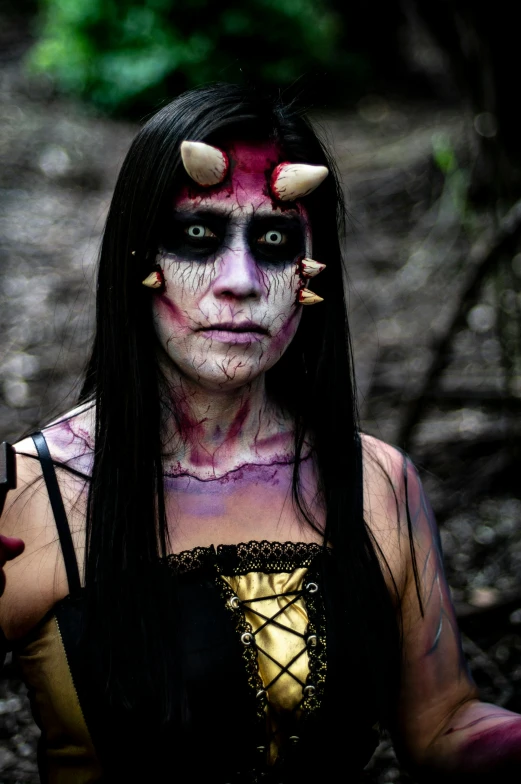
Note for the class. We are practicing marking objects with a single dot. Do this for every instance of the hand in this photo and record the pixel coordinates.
(10, 547)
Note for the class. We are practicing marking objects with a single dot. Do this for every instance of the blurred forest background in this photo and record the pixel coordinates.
(418, 99)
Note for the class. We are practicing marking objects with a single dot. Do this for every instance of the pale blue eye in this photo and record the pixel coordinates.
(273, 238)
(197, 230)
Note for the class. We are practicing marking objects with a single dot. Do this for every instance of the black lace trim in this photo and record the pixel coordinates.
(255, 556)
(192, 560)
(317, 653)
(266, 557)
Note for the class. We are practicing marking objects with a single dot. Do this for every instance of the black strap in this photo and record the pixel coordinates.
(7, 471)
(7, 482)
(49, 474)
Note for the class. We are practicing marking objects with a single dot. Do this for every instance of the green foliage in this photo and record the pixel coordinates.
(125, 54)
(444, 154)
(455, 192)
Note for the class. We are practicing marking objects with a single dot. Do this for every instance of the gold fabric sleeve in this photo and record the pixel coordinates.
(67, 754)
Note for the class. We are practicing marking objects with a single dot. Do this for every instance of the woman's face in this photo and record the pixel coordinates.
(230, 261)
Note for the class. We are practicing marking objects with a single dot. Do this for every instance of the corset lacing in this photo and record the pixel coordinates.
(250, 638)
(287, 691)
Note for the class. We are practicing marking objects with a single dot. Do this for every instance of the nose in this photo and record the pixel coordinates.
(239, 275)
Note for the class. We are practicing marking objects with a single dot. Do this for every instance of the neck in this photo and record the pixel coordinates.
(213, 431)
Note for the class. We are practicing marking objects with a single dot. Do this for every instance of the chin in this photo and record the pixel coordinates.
(225, 367)
(227, 371)
(219, 380)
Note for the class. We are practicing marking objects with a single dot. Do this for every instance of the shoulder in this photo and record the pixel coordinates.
(70, 440)
(385, 485)
(390, 484)
(36, 580)
(383, 463)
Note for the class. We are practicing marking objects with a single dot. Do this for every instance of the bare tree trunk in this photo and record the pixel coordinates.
(481, 44)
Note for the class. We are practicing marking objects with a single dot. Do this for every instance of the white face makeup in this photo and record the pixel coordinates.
(230, 261)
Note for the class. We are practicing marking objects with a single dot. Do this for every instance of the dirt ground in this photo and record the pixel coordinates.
(408, 240)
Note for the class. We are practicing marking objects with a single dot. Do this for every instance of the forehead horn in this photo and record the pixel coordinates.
(292, 181)
(206, 165)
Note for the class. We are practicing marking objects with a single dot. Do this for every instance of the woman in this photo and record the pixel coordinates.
(261, 587)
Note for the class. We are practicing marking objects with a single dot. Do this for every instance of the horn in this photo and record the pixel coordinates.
(309, 268)
(307, 297)
(292, 181)
(206, 165)
(155, 280)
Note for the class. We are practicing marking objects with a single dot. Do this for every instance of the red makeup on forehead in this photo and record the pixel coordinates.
(251, 164)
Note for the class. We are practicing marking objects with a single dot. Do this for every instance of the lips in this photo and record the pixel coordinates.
(234, 332)
(233, 326)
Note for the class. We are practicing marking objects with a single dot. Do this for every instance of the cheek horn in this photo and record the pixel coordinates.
(204, 164)
(309, 268)
(308, 297)
(292, 181)
(155, 280)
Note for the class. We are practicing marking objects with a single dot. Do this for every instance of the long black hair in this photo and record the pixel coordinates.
(126, 521)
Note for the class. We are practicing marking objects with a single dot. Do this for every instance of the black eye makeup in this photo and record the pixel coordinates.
(194, 236)
(200, 235)
(277, 239)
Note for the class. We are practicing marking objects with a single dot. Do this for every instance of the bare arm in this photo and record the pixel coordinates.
(443, 728)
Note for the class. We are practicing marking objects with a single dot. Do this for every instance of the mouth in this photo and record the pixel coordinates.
(234, 332)
(233, 326)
